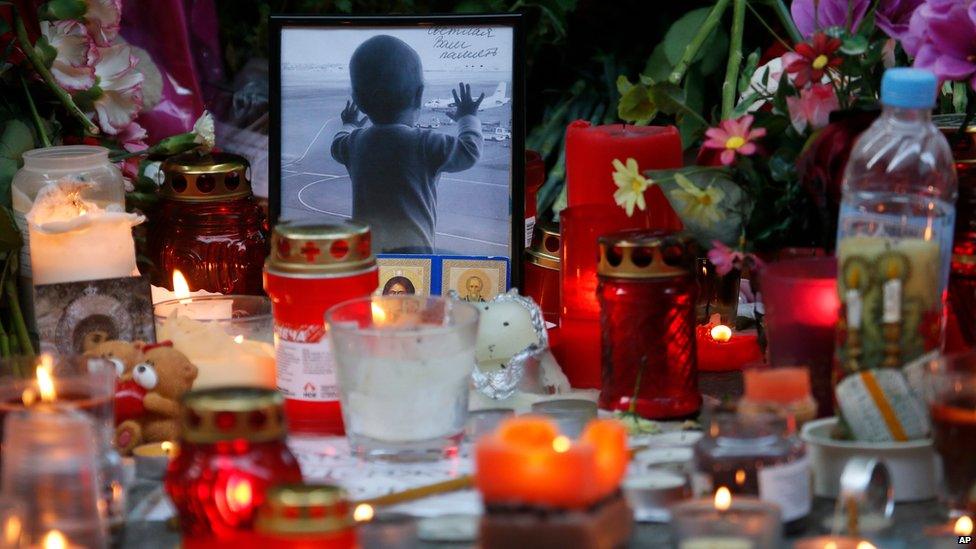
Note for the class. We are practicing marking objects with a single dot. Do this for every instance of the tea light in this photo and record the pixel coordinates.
(56, 540)
(833, 542)
(721, 350)
(153, 459)
(654, 491)
(726, 523)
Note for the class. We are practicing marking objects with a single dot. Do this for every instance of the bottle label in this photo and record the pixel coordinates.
(306, 369)
(879, 406)
(788, 486)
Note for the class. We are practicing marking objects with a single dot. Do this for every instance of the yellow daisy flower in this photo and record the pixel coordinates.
(631, 185)
(695, 205)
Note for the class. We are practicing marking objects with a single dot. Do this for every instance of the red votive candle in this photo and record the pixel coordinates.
(720, 350)
(591, 150)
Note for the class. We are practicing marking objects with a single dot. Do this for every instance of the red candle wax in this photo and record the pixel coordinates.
(609, 437)
(591, 150)
(724, 356)
(783, 385)
(527, 462)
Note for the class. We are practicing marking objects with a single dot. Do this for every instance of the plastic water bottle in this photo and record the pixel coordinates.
(894, 235)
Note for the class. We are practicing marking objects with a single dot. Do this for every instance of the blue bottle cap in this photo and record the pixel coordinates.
(909, 88)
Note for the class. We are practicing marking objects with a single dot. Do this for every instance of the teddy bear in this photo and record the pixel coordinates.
(162, 375)
(123, 354)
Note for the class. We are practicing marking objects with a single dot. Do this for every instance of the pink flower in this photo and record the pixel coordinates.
(121, 86)
(133, 137)
(102, 19)
(724, 258)
(733, 137)
(72, 66)
(813, 107)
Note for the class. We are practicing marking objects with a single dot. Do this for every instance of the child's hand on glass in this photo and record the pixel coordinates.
(463, 102)
(350, 115)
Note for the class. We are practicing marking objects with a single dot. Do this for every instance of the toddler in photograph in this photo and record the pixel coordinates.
(394, 166)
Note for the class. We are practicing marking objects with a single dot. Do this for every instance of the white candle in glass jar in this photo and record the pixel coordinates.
(73, 239)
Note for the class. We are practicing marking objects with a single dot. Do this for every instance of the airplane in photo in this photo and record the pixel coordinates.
(491, 102)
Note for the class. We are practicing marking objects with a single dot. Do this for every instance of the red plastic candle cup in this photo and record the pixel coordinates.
(541, 281)
(591, 150)
(647, 296)
(801, 304)
(311, 268)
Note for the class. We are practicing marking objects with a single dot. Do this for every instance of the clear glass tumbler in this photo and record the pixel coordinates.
(404, 365)
(951, 392)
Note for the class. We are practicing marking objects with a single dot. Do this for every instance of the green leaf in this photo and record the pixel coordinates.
(62, 9)
(10, 238)
(745, 77)
(15, 138)
(658, 68)
(623, 85)
(854, 45)
(713, 52)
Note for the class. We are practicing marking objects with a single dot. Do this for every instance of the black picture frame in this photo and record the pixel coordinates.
(278, 23)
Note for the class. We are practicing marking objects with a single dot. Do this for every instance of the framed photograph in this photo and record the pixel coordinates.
(475, 280)
(404, 275)
(413, 125)
(75, 316)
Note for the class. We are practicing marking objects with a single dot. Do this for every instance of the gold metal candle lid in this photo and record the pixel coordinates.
(639, 254)
(315, 249)
(544, 251)
(304, 509)
(195, 177)
(231, 413)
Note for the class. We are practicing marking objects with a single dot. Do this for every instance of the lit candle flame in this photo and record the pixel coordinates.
(963, 526)
(181, 289)
(561, 444)
(865, 545)
(740, 477)
(723, 499)
(11, 531)
(168, 448)
(55, 540)
(238, 339)
(379, 315)
(830, 545)
(721, 332)
(45, 383)
(363, 512)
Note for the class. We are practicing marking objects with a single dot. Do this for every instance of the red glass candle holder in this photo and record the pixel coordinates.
(232, 450)
(306, 516)
(208, 226)
(801, 304)
(313, 267)
(535, 177)
(647, 296)
(541, 281)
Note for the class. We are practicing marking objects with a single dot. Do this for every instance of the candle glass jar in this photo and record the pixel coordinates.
(313, 267)
(80, 383)
(647, 296)
(51, 463)
(800, 303)
(404, 365)
(717, 294)
(208, 225)
(962, 275)
(541, 281)
(232, 450)
(230, 339)
(757, 454)
(951, 392)
(747, 524)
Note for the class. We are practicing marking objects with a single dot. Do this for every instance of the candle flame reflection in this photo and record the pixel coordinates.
(963, 526)
(723, 499)
(239, 494)
(740, 477)
(45, 383)
(379, 315)
(239, 338)
(11, 531)
(830, 545)
(54, 540)
(561, 444)
(180, 288)
(721, 333)
(363, 512)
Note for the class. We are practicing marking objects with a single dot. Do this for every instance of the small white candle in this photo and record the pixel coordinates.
(185, 302)
(72, 239)
(726, 523)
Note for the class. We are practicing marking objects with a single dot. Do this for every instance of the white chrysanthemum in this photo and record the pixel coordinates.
(121, 86)
(203, 129)
(72, 67)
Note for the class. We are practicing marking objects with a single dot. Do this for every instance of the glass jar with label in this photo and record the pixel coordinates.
(757, 454)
